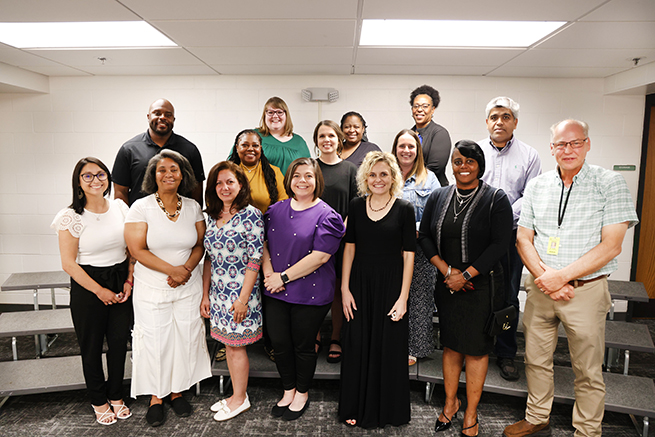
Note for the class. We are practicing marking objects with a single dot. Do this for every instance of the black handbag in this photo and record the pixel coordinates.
(500, 320)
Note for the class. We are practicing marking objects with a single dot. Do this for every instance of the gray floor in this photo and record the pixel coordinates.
(69, 413)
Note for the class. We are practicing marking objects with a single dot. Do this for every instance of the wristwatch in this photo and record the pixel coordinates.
(466, 275)
(284, 277)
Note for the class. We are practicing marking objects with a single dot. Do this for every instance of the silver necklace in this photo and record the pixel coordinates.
(463, 203)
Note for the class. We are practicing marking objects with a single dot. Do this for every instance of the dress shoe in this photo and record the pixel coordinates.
(508, 369)
(226, 414)
(442, 426)
(523, 428)
(218, 406)
(293, 415)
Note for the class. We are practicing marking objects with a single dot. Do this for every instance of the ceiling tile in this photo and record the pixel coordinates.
(509, 71)
(283, 69)
(64, 10)
(421, 70)
(439, 57)
(608, 35)
(256, 56)
(242, 10)
(624, 10)
(121, 57)
(238, 33)
(150, 70)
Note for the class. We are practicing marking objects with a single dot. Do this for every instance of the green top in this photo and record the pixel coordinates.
(282, 154)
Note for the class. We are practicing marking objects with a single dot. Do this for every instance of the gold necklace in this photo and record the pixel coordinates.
(378, 210)
(163, 208)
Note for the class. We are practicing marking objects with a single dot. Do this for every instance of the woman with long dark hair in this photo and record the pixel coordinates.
(94, 254)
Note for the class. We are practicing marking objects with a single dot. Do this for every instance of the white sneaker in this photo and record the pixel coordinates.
(226, 414)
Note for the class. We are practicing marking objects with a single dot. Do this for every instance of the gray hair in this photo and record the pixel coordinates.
(188, 182)
(503, 102)
(584, 126)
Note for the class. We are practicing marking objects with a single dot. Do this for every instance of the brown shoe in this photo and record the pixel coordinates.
(524, 428)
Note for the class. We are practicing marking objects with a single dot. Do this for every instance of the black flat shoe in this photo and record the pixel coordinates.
(293, 415)
(155, 415)
(442, 426)
(181, 407)
(278, 411)
(469, 427)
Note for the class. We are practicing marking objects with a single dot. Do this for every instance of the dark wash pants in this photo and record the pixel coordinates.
(94, 321)
(292, 329)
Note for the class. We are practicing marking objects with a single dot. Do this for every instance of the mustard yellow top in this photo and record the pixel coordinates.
(260, 197)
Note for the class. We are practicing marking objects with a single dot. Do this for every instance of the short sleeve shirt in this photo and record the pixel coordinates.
(133, 156)
(598, 197)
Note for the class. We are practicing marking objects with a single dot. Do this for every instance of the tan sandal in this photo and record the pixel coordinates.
(104, 415)
(121, 409)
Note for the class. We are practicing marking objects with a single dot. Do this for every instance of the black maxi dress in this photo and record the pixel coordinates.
(374, 374)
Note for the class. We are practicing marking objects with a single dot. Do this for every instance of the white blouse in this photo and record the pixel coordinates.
(101, 241)
(168, 240)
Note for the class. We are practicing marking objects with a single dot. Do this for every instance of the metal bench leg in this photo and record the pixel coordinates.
(626, 362)
(37, 338)
(221, 387)
(644, 429)
(54, 302)
(197, 388)
(14, 350)
(429, 390)
(2, 402)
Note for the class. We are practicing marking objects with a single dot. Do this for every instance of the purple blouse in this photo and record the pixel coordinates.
(291, 236)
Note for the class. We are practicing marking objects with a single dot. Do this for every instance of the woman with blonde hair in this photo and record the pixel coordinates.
(378, 261)
(279, 143)
(419, 184)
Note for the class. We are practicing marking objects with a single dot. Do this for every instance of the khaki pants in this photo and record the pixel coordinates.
(583, 318)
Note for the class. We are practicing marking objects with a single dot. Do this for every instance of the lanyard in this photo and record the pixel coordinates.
(560, 211)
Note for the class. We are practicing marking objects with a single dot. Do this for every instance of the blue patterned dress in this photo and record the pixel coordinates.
(230, 247)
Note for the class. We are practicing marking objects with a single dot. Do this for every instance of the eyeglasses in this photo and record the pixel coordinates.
(575, 144)
(279, 113)
(424, 106)
(88, 177)
(249, 146)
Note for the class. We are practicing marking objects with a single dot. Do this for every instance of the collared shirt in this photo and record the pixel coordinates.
(510, 168)
(598, 197)
(133, 156)
(418, 195)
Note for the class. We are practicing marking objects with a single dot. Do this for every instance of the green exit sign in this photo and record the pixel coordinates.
(625, 167)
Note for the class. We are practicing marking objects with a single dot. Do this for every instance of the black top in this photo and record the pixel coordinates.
(357, 157)
(340, 185)
(485, 230)
(133, 156)
(436, 144)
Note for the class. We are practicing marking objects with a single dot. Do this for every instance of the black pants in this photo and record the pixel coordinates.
(94, 320)
(292, 329)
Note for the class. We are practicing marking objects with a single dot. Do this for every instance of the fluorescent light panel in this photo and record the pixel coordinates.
(455, 33)
(73, 35)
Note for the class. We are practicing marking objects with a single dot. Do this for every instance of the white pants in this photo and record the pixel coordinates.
(169, 349)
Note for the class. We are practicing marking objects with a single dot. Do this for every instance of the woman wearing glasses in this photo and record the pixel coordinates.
(435, 139)
(93, 253)
(279, 143)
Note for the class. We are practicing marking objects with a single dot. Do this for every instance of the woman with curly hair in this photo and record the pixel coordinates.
(378, 261)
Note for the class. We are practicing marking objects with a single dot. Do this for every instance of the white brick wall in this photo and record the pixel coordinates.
(43, 136)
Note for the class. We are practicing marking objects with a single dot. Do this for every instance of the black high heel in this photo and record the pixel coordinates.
(469, 427)
(442, 426)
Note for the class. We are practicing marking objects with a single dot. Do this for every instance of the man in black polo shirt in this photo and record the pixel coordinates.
(133, 156)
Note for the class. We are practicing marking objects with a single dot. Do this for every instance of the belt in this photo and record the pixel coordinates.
(579, 282)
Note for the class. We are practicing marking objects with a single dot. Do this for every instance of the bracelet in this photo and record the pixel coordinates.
(129, 282)
(239, 299)
(448, 272)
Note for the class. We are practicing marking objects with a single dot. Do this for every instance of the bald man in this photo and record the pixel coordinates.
(133, 156)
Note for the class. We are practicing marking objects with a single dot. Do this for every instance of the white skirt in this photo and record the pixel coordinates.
(169, 350)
